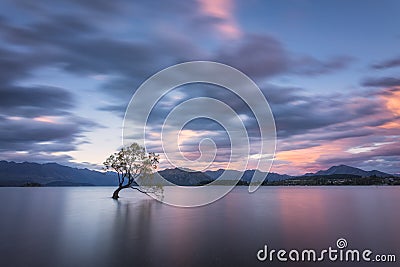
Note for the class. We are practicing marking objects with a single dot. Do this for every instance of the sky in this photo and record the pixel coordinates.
(330, 71)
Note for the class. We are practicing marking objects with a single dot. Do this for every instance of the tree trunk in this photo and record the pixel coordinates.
(116, 192)
(120, 187)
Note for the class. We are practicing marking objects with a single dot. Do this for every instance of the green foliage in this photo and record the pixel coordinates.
(135, 169)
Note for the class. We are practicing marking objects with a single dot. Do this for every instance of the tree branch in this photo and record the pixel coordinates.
(140, 190)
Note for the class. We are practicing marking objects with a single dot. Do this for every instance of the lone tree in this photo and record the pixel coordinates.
(135, 169)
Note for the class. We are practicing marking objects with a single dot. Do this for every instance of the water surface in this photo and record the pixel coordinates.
(83, 226)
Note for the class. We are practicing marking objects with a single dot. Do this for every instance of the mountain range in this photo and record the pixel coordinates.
(53, 174)
(18, 174)
(343, 169)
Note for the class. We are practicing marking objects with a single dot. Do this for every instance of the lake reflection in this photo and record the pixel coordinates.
(83, 226)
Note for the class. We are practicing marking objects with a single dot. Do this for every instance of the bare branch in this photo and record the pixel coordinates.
(140, 190)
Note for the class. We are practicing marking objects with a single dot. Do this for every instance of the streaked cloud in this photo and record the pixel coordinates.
(386, 64)
(222, 13)
(68, 70)
(382, 82)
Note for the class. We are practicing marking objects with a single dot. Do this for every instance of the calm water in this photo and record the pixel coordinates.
(85, 227)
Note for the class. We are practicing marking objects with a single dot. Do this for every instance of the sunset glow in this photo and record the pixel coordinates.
(393, 101)
(222, 11)
(44, 119)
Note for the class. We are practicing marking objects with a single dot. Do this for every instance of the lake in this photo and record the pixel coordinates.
(83, 226)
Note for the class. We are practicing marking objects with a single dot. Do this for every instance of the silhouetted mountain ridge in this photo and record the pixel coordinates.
(53, 174)
(247, 175)
(184, 178)
(344, 169)
(17, 174)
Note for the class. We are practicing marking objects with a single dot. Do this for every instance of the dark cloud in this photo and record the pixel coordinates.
(89, 40)
(331, 117)
(78, 49)
(133, 62)
(101, 7)
(37, 135)
(256, 56)
(17, 65)
(297, 119)
(53, 30)
(390, 63)
(295, 112)
(35, 101)
(277, 95)
(386, 92)
(74, 49)
(381, 82)
(300, 116)
(384, 158)
(302, 121)
(129, 63)
(36, 120)
(311, 66)
(261, 56)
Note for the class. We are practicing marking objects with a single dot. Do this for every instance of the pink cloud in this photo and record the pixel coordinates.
(375, 138)
(222, 11)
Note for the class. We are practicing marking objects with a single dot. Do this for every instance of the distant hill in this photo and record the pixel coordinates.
(344, 169)
(185, 178)
(53, 174)
(247, 175)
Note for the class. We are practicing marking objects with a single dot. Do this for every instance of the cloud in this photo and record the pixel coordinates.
(78, 46)
(345, 116)
(263, 56)
(101, 7)
(17, 65)
(382, 157)
(221, 14)
(390, 63)
(37, 121)
(296, 112)
(256, 56)
(52, 30)
(98, 39)
(309, 126)
(392, 100)
(381, 82)
(311, 66)
(35, 101)
(372, 121)
(42, 133)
